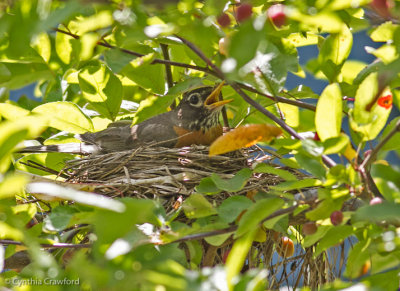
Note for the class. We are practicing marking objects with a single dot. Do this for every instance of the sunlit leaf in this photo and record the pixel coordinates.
(65, 116)
(12, 185)
(11, 111)
(370, 111)
(328, 116)
(42, 45)
(334, 51)
(102, 89)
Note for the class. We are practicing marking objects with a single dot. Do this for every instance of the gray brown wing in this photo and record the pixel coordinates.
(118, 138)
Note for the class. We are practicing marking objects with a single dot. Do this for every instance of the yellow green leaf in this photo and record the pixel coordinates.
(328, 115)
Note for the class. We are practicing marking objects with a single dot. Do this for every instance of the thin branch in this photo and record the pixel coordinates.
(371, 157)
(55, 245)
(129, 52)
(197, 68)
(328, 161)
(168, 73)
(233, 228)
(279, 98)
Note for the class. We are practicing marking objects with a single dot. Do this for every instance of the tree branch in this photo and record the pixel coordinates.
(55, 245)
(328, 161)
(233, 228)
(197, 68)
(372, 156)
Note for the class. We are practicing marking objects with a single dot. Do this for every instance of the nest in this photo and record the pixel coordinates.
(150, 172)
(166, 174)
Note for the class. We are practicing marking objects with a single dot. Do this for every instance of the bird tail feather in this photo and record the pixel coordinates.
(70, 148)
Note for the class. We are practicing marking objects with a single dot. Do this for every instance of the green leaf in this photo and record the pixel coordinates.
(197, 206)
(384, 32)
(146, 75)
(268, 69)
(151, 106)
(394, 141)
(67, 47)
(12, 184)
(64, 115)
(23, 74)
(358, 255)
(11, 111)
(369, 117)
(117, 60)
(351, 69)
(9, 232)
(238, 254)
(13, 132)
(324, 209)
(58, 219)
(231, 207)
(336, 145)
(136, 211)
(322, 230)
(311, 165)
(292, 185)
(54, 161)
(264, 168)
(102, 89)
(234, 184)
(243, 44)
(387, 180)
(324, 21)
(383, 281)
(332, 237)
(256, 213)
(207, 186)
(334, 51)
(41, 43)
(385, 211)
(5, 74)
(328, 116)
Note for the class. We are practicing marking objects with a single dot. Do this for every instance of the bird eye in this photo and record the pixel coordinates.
(194, 99)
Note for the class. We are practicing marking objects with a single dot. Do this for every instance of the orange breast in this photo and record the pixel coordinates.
(187, 138)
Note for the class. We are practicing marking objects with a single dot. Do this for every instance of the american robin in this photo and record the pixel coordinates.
(194, 121)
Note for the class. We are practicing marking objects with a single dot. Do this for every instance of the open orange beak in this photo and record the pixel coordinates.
(212, 101)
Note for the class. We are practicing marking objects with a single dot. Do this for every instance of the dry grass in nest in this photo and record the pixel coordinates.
(151, 172)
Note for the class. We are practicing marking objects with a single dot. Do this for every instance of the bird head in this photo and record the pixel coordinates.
(200, 107)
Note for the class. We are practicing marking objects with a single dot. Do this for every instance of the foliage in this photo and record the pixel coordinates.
(94, 62)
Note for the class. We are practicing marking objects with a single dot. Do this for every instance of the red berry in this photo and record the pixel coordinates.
(277, 14)
(309, 228)
(243, 12)
(381, 7)
(336, 217)
(224, 20)
(316, 137)
(376, 200)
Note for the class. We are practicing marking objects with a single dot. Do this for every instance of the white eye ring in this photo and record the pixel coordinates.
(194, 99)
